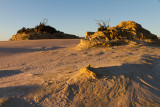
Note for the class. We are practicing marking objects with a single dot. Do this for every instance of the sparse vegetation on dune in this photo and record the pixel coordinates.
(41, 31)
(125, 32)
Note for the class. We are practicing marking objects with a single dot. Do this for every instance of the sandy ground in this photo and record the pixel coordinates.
(47, 73)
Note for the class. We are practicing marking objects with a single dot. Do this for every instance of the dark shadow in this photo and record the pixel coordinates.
(26, 50)
(146, 74)
(15, 94)
(155, 43)
(18, 102)
(16, 90)
(6, 73)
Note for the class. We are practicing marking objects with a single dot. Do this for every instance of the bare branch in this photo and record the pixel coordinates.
(103, 23)
(99, 23)
(108, 22)
(44, 21)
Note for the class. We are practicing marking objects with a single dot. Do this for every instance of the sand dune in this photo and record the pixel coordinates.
(53, 73)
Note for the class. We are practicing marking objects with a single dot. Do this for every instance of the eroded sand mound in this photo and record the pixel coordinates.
(41, 31)
(121, 34)
(35, 36)
(103, 87)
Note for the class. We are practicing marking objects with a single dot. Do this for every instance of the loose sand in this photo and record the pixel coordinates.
(54, 73)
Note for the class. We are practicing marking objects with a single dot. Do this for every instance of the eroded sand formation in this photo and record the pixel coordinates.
(41, 31)
(123, 33)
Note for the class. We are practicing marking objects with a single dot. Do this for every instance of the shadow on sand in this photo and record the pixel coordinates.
(26, 50)
(6, 73)
(18, 102)
(13, 96)
(146, 74)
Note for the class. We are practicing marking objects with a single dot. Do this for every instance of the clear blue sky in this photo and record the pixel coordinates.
(76, 16)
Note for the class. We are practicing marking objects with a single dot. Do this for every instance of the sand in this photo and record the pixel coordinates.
(54, 73)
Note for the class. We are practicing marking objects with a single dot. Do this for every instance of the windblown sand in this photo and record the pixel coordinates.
(54, 73)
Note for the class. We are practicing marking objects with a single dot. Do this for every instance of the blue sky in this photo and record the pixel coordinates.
(76, 16)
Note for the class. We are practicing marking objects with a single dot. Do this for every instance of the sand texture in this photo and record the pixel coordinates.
(53, 73)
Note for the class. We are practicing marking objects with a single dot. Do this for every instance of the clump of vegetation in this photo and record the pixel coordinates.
(103, 25)
(26, 30)
(41, 28)
(41, 31)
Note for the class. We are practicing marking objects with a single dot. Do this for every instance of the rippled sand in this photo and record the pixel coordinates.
(54, 73)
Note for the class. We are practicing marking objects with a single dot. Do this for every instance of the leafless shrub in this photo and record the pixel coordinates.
(44, 21)
(103, 25)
